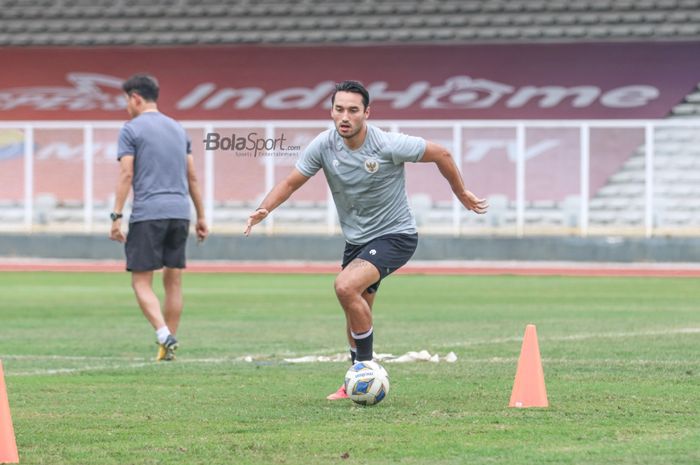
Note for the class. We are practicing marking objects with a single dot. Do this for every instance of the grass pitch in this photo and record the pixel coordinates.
(620, 357)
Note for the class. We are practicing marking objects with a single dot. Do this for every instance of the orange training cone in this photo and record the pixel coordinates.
(528, 388)
(8, 446)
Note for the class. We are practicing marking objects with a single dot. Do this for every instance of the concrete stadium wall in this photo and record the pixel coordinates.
(325, 248)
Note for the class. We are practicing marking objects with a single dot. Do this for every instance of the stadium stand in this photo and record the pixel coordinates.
(618, 203)
(183, 22)
(676, 176)
(676, 181)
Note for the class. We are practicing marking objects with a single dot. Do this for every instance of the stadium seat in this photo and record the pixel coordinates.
(489, 20)
(421, 206)
(535, 5)
(686, 109)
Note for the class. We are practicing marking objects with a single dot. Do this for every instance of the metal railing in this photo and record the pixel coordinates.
(593, 153)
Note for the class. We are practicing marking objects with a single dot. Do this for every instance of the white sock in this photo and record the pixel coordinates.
(364, 335)
(162, 334)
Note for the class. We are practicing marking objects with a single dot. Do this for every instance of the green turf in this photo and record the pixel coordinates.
(620, 358)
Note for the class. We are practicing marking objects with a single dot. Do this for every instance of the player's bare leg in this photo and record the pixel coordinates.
(350, 284)
(340, 393)
(142, 283)
(172, 310)
(369, 298)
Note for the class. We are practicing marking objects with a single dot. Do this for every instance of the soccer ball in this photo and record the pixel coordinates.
(367, 383)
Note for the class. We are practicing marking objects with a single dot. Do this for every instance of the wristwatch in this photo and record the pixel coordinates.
(115, 216)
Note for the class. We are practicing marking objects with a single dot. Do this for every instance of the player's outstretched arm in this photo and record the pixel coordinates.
(439, 155)
(276, 197)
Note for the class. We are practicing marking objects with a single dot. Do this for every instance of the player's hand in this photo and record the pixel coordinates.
(473, 203)
(201, 229)
(256, 217)
(116, 233)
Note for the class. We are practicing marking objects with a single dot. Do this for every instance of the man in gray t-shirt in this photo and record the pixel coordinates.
(364, 167)
(155, 159)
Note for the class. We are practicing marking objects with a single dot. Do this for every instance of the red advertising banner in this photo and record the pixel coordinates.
(497, 81)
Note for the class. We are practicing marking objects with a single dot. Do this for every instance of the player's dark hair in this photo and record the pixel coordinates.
(354, 87)
(144, 85)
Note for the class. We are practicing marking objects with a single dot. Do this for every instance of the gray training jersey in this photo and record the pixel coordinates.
(160, 147)
(368, 184)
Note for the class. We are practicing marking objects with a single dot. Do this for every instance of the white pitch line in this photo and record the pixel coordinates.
(138, 362)
(577, 337)
(134, 363)
(68, 357)
(64, 371)
(668, 332)
(576, 361)
(472, 361)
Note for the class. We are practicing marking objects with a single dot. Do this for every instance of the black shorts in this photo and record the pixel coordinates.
(387, 253)
(153, 244)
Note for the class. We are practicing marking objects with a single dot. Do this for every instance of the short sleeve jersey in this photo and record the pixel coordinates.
(160, 147)
(368, 184)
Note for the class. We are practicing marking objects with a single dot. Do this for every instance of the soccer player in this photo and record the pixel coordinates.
(364, 167)
(154, 154)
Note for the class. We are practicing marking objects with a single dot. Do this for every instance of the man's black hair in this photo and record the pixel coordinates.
(144, 85)
(352, 86)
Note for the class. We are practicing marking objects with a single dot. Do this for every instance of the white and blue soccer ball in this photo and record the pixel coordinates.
(367, 383)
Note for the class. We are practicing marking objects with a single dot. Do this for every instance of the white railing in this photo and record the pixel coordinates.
(532, 146)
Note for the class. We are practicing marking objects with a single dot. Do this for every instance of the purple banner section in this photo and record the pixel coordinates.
(497, 81)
